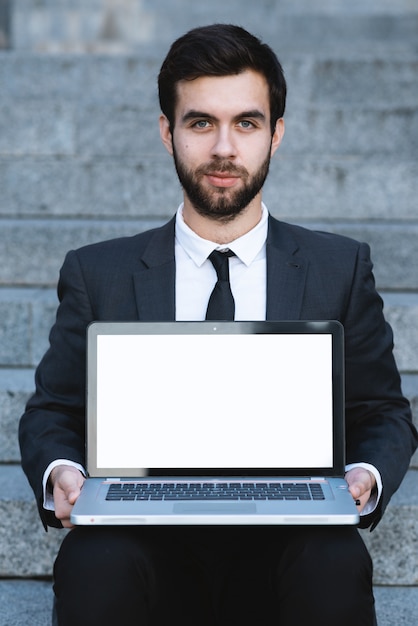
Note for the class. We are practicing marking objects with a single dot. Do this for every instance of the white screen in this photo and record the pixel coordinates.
(214, 401)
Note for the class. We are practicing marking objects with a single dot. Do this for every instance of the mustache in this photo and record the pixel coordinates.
(222, 166)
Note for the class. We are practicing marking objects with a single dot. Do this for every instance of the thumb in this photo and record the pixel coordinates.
(73, 494)
(355, 490)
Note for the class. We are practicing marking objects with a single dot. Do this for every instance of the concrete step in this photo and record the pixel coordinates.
(393, 543)
(21, 533)
(129, 25)
(27, 315)
(105, 128)
(15, 388)
(25, 602)
(46, 241)
(410, 389)
(396, 605)
(30, 602)
(356, 80)
(104, 106)
(299, 187)
(26, 550)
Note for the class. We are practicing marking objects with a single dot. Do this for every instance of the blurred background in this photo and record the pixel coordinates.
(81, 161)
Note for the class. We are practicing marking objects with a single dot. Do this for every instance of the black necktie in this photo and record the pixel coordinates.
(221, 305)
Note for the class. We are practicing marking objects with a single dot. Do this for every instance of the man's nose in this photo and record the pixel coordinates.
(224, 145)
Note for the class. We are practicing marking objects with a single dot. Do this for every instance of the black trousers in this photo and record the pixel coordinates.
(214, 576)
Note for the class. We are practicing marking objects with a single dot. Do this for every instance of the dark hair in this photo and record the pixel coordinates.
(220, 50)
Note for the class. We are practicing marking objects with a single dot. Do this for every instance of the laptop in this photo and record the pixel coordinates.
(215, 423)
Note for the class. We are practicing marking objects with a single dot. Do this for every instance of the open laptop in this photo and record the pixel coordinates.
(215, 423)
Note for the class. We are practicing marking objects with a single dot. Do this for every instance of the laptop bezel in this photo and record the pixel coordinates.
(330, 327)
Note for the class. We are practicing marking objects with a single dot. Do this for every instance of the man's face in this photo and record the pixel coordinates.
(222, 142)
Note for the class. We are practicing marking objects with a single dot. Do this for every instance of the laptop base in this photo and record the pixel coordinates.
(337, 508)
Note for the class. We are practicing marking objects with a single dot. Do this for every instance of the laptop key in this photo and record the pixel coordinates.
(214, 491)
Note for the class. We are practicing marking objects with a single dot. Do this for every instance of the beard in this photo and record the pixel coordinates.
(222, 204)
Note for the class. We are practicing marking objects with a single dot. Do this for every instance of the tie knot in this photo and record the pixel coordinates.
(220, 263)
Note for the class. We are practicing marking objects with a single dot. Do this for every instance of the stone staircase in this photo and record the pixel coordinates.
(81, 161)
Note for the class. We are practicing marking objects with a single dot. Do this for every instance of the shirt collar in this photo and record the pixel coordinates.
(198, 249)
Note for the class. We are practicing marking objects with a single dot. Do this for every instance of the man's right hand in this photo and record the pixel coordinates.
(66, 482)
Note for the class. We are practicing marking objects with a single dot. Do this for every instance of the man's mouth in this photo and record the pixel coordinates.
(222, 179)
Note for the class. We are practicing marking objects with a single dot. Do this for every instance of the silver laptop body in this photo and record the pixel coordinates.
(215, 423)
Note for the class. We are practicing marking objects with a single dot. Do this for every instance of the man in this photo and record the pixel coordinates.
(222, 95)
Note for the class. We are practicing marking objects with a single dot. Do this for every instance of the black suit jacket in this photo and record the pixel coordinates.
(310, 275)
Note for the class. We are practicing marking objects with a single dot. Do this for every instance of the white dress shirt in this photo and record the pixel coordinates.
(195, 280)
(196, 276)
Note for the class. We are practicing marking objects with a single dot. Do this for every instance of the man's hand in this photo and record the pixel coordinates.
(360, 484)
(66, 482)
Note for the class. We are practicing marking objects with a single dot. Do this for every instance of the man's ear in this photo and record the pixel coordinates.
(165, 134)
(277, 135)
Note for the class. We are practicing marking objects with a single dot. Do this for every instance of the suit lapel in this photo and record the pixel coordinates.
(286, 274)
(155, 283)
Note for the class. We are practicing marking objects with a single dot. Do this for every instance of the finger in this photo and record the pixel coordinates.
(66, 523)
(63, 513)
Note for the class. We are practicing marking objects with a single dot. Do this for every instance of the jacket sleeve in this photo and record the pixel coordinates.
(53, 425)
(378, 418)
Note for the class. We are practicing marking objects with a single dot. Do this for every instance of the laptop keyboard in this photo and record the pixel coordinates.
(214, 491)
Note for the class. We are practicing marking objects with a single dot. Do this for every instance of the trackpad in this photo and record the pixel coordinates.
(215, 507)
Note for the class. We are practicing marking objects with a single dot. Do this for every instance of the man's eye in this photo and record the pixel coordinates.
(201, 124)
(246, 124)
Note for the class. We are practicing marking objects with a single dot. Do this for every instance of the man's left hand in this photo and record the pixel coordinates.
(361, 482)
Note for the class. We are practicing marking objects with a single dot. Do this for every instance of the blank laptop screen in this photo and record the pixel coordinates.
(213, 401)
